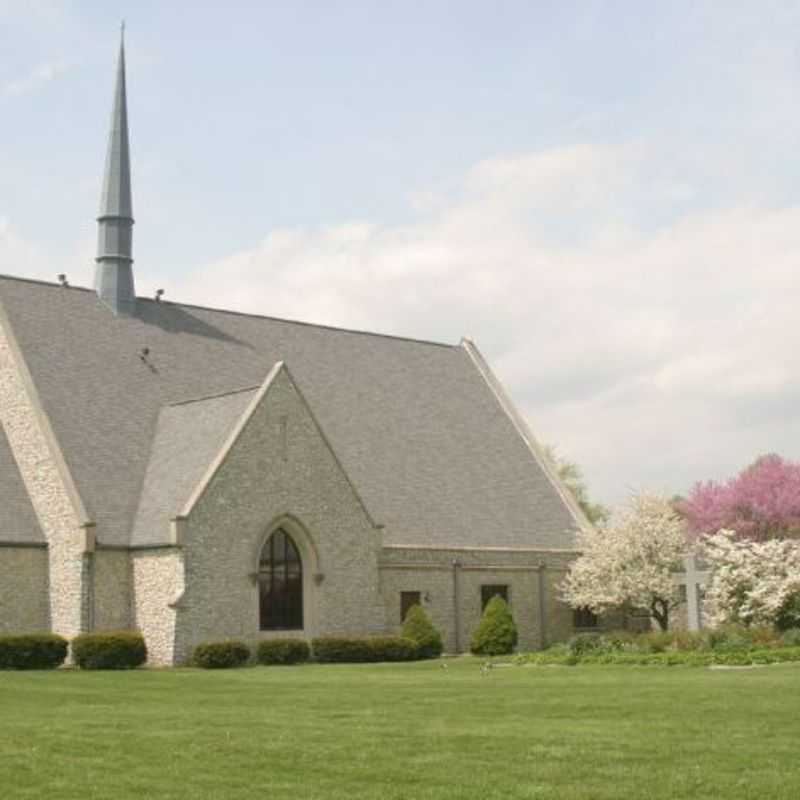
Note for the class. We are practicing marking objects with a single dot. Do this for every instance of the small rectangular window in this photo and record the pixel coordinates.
(584, 618)
(408, 599)
(682, 595)
(490, 590)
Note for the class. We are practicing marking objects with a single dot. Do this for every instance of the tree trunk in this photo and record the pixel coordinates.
(659, 609)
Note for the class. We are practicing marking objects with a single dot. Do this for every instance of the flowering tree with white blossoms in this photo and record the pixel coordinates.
(754, 583)
(631, 562)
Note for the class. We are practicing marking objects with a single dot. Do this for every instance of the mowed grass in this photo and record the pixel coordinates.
(411, 731)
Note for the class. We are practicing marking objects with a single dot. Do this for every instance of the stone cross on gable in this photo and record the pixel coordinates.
(693, 578)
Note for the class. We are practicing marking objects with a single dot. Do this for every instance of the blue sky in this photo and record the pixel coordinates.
(604, 195)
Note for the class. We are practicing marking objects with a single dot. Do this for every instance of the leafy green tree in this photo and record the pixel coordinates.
(419, 628)
(572, 477)
(496, 633)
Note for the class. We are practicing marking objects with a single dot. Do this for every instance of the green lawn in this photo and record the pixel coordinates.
(410, 731)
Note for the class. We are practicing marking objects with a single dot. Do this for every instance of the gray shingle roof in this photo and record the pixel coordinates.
(415, 425)
(188, 437)
(18, 523)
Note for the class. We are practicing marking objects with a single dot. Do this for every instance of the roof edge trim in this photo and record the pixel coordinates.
(524, 431)
(43, 420)
(476, 548)
(217, 396)
(10, 545)
(231, 440)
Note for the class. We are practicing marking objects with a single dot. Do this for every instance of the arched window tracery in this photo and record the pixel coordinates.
(280, 584)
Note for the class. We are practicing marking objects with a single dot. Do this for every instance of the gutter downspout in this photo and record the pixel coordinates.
(457, 604)
(542, 612)
(89, 545)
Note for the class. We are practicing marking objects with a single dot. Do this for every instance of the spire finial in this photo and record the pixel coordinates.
(114, 275)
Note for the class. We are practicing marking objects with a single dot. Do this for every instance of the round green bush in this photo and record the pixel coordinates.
(221, 655)
(496, 633)
(109, 650)
(419, 628)
(283, 651)
(32, 651)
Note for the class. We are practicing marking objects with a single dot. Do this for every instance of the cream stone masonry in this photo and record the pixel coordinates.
(450, 581)
(60, 512)
(159, 583)
(112, 590)
(24, 591)
(246, 495)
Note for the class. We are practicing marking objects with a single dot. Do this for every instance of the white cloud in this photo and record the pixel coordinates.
(27, 258)
(651, 356)
(17, 255)
(36, 79)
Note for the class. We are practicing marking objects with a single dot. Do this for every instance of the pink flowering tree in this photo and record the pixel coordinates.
(761, 502)
(631, 562)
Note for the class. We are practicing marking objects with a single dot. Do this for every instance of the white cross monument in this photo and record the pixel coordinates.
(693, 579)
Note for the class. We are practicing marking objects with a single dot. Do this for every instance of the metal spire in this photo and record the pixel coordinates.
(114, 273)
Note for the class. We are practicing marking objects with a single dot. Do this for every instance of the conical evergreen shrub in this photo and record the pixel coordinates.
(419, 628)
(496, 633)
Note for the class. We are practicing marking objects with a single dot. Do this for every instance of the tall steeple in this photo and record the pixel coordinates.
(114, 271)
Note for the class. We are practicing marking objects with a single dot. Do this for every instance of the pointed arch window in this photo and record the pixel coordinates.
(280, 584)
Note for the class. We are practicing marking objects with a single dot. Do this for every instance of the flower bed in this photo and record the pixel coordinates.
(729, 646)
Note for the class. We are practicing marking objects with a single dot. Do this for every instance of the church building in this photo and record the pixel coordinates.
(200, 474)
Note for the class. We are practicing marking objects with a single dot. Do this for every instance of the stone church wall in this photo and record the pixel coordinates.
(52, 495)
(112, 590)
(24, 594)
(158, 582)
(531, 576)
(279, 471)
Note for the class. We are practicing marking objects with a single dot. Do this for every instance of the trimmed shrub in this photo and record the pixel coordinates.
(738, 637)
(496, 633)
(221, 655)
(655, 641)
(419, 628)
(283, 651)
(363, 649)
(394, 648)
(791, 637)
(341, 649)
(672, 658)
(619, 640)
(690, 640)
(789, 614)
(764, 636)
(583, 643)
(32, 651)
(109, 650)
